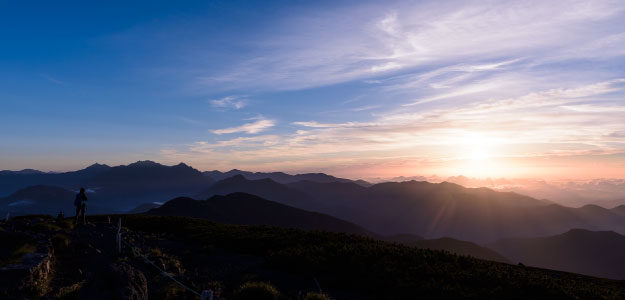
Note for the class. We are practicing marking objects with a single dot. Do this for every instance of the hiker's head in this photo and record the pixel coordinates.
(82, 190)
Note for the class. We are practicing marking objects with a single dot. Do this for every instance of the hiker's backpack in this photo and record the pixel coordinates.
(78, 200)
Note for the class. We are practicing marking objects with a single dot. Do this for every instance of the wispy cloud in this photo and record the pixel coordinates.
(53, 79)
(414, 35)
(534, 79)
(251, 128)
(229, 102)
(534, 125)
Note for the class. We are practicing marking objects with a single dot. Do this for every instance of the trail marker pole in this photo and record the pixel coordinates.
(119, 236)
(207, 295)
(318, 286)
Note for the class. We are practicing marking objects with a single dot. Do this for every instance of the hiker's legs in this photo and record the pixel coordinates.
(83, 210)
(77, 214)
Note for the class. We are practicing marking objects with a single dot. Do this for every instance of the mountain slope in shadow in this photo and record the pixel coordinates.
(264, 188)
(430, 210)
(596, 253)
(247, 209)
(461, 248)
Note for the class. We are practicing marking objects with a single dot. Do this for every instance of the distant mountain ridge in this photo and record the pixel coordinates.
(281, 177)
(595, 253)
(427, 209)
(247, 209)
(120, 187)
(43, 199)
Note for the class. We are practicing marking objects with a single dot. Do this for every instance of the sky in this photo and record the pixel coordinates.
(358, 89)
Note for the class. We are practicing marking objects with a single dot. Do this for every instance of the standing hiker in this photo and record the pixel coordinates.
(81, 205)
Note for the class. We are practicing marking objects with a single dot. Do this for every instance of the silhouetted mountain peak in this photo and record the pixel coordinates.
(234, 179)
(619, 209)
(145, 163)
(179, 201)
(578, 232)
(592, 206)
(97, 166)
(22, 172)
(30, 171)
(248, 209)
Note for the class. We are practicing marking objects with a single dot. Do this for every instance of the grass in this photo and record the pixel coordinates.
(378, 269)
(316, 296)
(60, 241)
(13, 247)
(256, 290)
(69, 292)
(45, 226)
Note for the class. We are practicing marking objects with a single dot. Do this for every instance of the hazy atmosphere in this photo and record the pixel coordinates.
(312, 150)
(354, 88)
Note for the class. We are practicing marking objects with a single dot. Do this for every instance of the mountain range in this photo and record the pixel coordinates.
(247, 209)
(281, 177)
(428, 209)
(43, 199)
(122, 187)
(595, 253)
(441, 216)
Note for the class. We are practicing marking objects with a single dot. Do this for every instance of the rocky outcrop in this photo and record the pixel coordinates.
(30, 275)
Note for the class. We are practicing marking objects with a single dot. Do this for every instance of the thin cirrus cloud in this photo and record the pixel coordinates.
(421, 34)
(250, 128)
(533, 78)
(228, 102)
(534, 125)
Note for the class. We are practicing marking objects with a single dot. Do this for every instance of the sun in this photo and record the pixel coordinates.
(477, 147)
(477, 156)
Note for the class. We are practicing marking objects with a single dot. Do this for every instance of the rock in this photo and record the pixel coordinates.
(29, 275)
(117, 281)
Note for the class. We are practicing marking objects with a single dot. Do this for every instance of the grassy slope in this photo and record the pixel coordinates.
(379, 269)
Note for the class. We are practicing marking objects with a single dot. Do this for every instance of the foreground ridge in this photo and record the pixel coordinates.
(204, 255)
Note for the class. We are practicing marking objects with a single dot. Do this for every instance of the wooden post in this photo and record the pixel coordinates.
(318, 286)
(207, 295)
(119, 236)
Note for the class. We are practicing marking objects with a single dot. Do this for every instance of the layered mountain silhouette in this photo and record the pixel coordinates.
(281, 177)
(419, 208)
(247, 209)
(144, 208)
(596, 253)
(427, 209)
(120, 187)
(619, 210)
(264, 188)
(43, 199)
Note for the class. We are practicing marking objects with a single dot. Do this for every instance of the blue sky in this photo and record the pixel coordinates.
(355, 88)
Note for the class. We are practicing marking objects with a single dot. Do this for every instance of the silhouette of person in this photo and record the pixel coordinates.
(81, 205)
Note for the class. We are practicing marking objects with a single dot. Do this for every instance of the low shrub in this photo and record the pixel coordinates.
(60, 241)
(256, 290)
(316, 296)
(44, 226)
